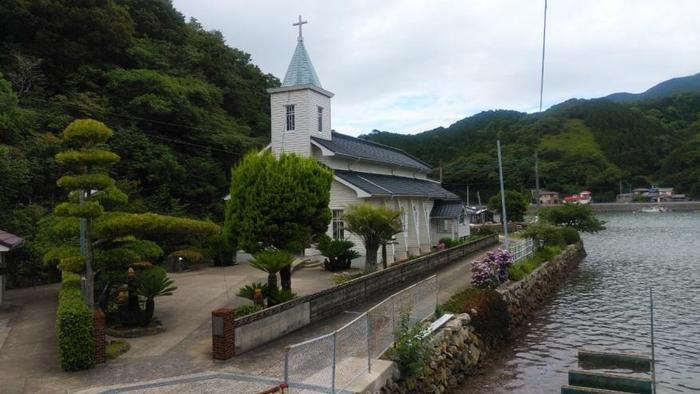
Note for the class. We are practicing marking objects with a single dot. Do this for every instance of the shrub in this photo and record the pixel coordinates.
(248, 291)
(492, 270)
(491, 320)
(544, 234)
(74, 324)
(410, 350)
(190, 256)
(246, 310)
(451, 243)
(580, 217)
(521, 269)
(338, 252)
(483, 231)
(570, 235)
(280, 296)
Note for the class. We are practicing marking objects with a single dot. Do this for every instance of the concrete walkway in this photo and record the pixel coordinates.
(28, 358)
(188, 366)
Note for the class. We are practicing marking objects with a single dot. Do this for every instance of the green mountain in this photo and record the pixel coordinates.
(689, 84)
(183, 105)
(582, 144)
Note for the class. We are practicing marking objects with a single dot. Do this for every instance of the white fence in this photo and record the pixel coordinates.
(331, 362)
(522, 249)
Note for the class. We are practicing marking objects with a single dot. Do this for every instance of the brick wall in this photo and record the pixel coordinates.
(223, 343)
(98, 332)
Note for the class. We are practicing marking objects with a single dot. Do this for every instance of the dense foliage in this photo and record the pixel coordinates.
(74, 324)
(596, 145)
(183, 106)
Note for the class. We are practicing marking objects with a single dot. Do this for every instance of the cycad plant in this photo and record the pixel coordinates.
(153, 282)
(272, 262)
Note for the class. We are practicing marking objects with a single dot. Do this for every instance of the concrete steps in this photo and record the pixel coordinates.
(586, 390)
(609, 381)
(585, 381)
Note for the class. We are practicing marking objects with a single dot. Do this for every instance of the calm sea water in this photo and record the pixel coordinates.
(605, 306)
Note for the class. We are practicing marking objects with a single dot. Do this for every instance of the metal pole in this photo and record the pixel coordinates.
(286, 366)
(537, 182)
(653, 357)
(369, 344)
(468, 203)
(503, 195)
(333, 371)
(544, 40)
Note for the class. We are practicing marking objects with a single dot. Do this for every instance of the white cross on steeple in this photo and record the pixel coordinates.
(300, 23)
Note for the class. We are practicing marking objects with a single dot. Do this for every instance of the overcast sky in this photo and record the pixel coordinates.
(409, 66)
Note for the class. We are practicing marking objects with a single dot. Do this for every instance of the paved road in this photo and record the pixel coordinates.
(28, 361)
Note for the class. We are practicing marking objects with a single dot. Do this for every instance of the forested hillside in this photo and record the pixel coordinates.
(183, 105)
(582, 144)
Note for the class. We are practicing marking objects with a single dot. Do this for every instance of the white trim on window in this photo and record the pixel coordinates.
(290, 117)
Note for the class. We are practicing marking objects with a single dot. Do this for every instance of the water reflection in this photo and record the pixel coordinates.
(605, 306)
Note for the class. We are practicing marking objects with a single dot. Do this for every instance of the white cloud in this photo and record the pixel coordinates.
(409, 66)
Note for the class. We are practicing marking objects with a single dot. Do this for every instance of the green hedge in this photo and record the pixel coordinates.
(76, 345)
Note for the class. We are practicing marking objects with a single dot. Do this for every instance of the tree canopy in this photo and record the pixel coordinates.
(277, 202)
(375, 225)
(516, 205)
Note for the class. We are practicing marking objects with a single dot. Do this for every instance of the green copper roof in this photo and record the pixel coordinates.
(301, 71)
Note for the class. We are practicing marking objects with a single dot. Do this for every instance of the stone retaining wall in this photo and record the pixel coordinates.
(526, 296)
(271, 323)
(456, 349)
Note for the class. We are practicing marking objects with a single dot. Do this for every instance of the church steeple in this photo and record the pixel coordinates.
(301, 71)
(300, 108)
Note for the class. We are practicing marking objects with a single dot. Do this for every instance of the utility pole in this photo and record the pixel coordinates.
(537, 182)
(504, 218)
(468, 203)
(478, 196)
(544, 41)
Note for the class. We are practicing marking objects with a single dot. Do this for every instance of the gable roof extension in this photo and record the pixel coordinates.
(345, 145)
(449, 209)
(394, 186)
(301, 71)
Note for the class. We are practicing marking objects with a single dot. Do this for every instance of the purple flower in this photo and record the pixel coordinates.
(492, 270)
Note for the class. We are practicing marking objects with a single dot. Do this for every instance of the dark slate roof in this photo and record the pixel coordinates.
(10, 241)
(388, 185)
(446, 209)
(345, 145)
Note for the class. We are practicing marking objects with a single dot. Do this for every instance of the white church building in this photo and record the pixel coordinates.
(364, 171)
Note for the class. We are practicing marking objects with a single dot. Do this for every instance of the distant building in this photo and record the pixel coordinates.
(585, 197)
(479, 215)
(549, 198)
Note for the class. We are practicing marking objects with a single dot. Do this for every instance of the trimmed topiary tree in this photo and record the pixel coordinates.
(277, 203)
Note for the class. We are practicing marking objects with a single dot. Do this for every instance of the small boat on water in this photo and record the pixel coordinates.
(654, 209)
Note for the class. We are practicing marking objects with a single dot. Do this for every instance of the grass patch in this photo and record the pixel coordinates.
(523, 268)
(346, 276)
(116, 348)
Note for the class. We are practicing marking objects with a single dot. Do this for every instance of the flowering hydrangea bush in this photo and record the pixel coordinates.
(492, 270)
